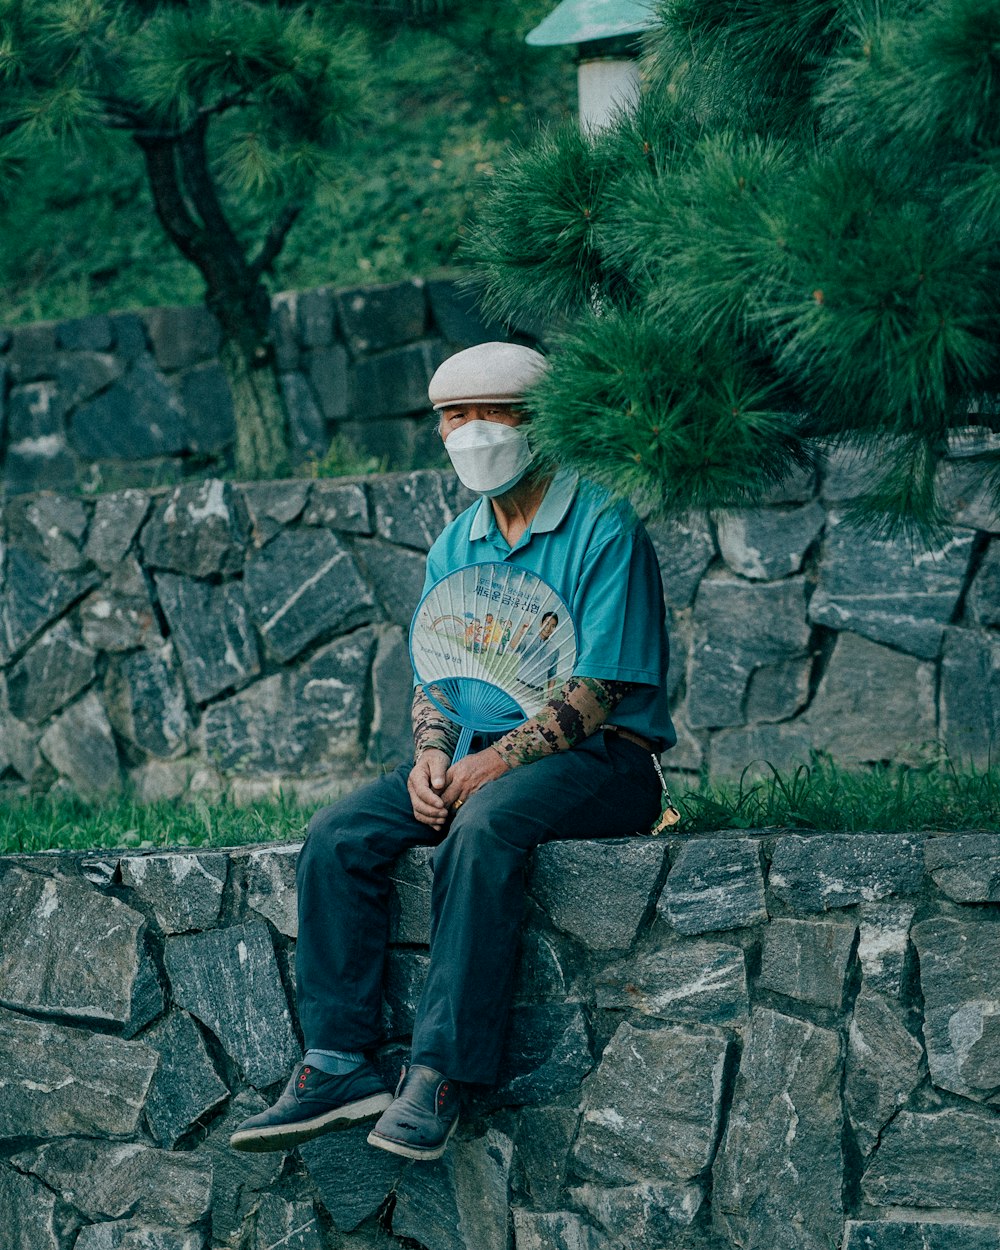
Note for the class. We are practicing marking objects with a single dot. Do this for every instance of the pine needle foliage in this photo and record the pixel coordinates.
(805, 244)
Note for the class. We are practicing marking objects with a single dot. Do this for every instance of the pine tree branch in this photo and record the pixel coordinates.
(120, 116)
(275, 239)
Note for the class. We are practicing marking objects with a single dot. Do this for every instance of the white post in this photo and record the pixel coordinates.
(605, 87)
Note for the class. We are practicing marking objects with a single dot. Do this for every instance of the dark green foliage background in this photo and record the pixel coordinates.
(454, 86)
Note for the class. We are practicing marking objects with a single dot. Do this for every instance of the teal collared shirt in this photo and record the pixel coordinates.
(596, 554)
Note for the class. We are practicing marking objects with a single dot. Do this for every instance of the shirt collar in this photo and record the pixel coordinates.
(551, 510)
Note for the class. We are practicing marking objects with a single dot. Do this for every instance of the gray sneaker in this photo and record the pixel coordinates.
(421, 1117)
(312, 1103)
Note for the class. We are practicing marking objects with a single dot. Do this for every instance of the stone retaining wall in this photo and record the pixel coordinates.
(138, 399)
(767, 1042)
(212, 637)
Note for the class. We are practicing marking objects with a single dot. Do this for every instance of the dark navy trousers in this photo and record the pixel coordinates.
(605, 787)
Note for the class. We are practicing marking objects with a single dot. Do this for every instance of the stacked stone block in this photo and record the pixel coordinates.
(135, 399)
(719, 1042)
(217, 638)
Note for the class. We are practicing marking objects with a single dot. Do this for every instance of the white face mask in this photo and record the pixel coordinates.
(488, 456)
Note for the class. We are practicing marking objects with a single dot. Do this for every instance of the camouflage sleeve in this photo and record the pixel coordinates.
(573, 713)
(432, 730)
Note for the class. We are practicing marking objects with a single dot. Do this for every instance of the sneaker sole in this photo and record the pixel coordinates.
(411, 1152)
(284, 1136)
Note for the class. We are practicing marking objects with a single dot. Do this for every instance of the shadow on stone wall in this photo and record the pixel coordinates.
(769, 1042)
(140, 399)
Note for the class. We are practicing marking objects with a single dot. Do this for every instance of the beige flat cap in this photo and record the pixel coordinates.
(489, 373)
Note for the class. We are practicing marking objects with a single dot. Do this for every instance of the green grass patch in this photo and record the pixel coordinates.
(822, 795)
(818, 795)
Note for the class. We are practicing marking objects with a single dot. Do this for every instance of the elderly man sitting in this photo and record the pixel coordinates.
(582, 767)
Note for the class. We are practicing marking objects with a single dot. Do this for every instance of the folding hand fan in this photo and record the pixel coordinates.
(489, 643)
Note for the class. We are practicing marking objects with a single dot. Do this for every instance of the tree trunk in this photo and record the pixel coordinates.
(189, 210)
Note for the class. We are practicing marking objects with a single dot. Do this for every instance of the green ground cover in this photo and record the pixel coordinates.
(819, 795)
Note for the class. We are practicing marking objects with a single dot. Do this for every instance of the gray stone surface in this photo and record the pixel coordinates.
(885, 1063)
(402, 984)
(778, 691)
(653, 1106)
(714, 885)
(460, 1200)
(114, 1180)
(882, 945)
(739, 627)
(397, 576)
(299, 723)
(270, 886)
(27, 1213)
(89, 334)
(598, 891)
(80, 746)
(181, 336)
(888, 592)
(778, 1176)
(759, 748)
(377, 317)
(350, 1193)
(208, 408)
(228, 978)
(339, 504)
(186, 1087)
(119, 615)
(126, 1235)
(56, 668)
(66, 950)
(960, 979)
(924, 1161)
(285, 1225)
(832, 870)
(239, 1180)
(767, 543)
(210, 626)
(873, 704)
(395, 382)
(306, 426)
(411, 509)
(542, 1144)
(135, 419)
(146, 701)
(330, 381)
(412, 880)
(390, 735)
(74, 1095)
(183, 890)
(554, 1230)
(50, 527)
(649, 1213)
(982, 604)
(965, 866)
(546, 1053)
(197, 529)
(304, 585)
(684, 548)
(115, 523)
(970, 696)
(270, 506)
(34, 412)
(807, 960)
(914, 1233)
(700, 981)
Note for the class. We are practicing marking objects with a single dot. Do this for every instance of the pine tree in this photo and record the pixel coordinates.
(793, 241)
(226, 100)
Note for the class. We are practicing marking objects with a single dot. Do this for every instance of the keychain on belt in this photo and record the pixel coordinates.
(669, 815)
